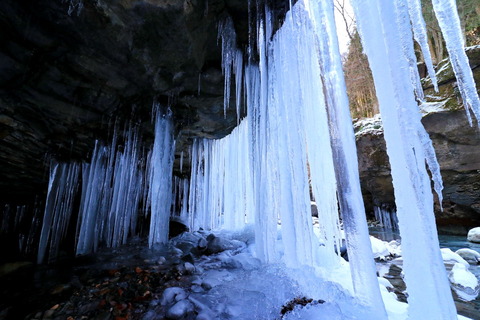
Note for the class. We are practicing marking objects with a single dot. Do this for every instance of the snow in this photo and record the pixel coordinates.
(173, 294)
(379, 248)
(471, 256)
(451, 257)
(220, 289)
(474, 235)
(368, 125)
(433, 107)
(460, 275)
(464, 282)
(383, 249)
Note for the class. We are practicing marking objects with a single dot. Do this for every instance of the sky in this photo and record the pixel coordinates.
(341, 29)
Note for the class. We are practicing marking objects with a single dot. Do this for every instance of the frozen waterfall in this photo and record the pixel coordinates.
(297, 135)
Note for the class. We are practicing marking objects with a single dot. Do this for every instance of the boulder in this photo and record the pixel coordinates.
(464, 282)
(180, 309)
(474, 235)
(471, 256)
(218, 244)
(451, 257)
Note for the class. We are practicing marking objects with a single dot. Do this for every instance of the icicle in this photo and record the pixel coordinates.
(62, 189)
(420, 35)
(238, 70)
(181, 162)
(89, 217)
(160, 177)
(386, 217)
(5, 226)
(449, 22)
(406, 37)
(426, 280)
(226, 32)
(199, 83)
(185, 193)
(264, 173)
(112, 188)
(31, 241)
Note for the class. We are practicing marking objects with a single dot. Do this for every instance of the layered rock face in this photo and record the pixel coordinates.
(457, 145)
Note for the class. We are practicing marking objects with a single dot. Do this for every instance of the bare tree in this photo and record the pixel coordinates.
(347, 17)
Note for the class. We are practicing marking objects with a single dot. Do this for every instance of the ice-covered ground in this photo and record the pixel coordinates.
(230, 283)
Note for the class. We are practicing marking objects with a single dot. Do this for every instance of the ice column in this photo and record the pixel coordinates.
(427, 284)
(292, 54)
(221, 183)
(264, 165)
(62, 188)
(420, 35)
(344, 153)
(95, 200)
(160, 178)
(126, 192)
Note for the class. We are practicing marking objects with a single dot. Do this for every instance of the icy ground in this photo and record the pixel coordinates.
(228, 282)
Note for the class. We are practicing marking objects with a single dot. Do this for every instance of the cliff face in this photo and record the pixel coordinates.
(457, 146)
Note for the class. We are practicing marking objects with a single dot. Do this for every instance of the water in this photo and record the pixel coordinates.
(459, 242)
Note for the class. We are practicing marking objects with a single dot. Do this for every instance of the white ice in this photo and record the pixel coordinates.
(408, 148)
(160, 178)
(449, 22)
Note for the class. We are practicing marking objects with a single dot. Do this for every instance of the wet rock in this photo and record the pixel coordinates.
(217, 244)
(298, 303)
(176, 228)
